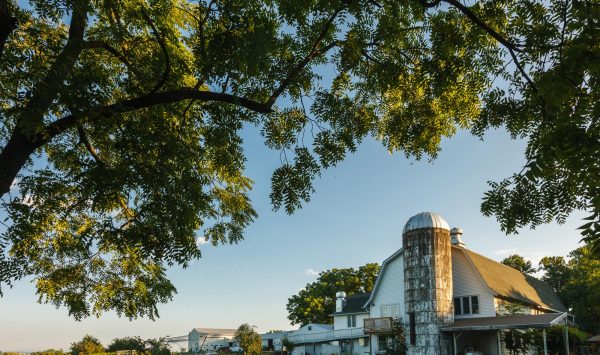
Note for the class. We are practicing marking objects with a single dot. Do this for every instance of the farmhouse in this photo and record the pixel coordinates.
(449, 299)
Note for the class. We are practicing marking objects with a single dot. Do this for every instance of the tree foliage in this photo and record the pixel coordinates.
(396, 344)
(556, 273)
(517, 341)
(127, 343)
(248, 339)
(518, 262)
(132, 111)
(582, 290)
(316, 302)
(88, 345)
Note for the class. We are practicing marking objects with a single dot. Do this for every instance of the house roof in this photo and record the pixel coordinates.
(214, 332)
(545, 320)
(507, 282)
(384, 266)
(595, 339)
(355, 303)
(275, 335)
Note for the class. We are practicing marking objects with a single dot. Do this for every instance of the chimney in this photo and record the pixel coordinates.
(456, 237)
(340, 299)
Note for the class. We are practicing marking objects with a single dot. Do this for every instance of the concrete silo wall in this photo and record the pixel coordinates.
(428, 289)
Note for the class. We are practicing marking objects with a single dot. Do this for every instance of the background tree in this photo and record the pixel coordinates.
(248, 339)
(288, 345)
(582, 291)
(518, 262)
(157, 346)
(132, 113)
(127, 343)
(316, 301)
(89, 345)
(556, 273)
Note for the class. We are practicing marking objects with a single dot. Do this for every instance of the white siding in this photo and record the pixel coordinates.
(341, 321)
(467, 282)
(391, 289)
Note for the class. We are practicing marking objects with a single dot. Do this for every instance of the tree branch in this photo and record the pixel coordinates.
(163, 47)
(314, 52)
(86, 142)
(8, 23)
(107, 47)
(484, 26)
(146, 101)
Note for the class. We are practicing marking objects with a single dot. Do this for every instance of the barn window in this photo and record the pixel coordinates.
(466, 305)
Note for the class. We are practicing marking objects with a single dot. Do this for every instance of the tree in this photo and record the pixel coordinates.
(316, 302)
(518, 262)
(397, 342)
(582, 291)
(517, 341)
(88, 345)
(127, 343)
(132, 112)
(288, 345)
(556, 273)
(248, 339)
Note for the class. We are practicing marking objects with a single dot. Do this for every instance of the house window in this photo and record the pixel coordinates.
(352, 321)
(310, 327)
(466, 305)
(457, 307)
(474, 305)
(382, 342)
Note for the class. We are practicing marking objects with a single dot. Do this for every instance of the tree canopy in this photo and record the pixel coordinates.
(120, 120)
(248, 339)
(87, 345)
(315, 302)
(516, 261)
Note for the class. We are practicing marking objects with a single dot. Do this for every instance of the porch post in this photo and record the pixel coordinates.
(545, 343)
(454, 341)
(567, 336)
(499, 344)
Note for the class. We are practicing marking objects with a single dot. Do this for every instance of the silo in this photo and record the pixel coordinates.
(427, 283)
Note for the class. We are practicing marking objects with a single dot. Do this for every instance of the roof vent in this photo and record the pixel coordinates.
(456, 237)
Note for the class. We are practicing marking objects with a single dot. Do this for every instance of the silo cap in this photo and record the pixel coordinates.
(425, 220)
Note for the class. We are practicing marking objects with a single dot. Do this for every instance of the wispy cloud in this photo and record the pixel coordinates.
(201, 241)
(311, 272)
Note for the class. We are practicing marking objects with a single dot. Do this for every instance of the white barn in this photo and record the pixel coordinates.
(203, 339)
(450, 300)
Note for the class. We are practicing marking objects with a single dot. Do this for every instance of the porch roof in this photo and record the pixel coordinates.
(545, 320)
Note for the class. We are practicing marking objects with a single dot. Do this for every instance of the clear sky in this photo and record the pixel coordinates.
(355, 216)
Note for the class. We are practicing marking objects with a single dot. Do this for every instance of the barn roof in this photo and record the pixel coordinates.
(507, 282)
(354, 303)
(214, 332)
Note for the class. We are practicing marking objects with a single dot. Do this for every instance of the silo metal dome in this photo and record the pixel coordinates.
(425, 220)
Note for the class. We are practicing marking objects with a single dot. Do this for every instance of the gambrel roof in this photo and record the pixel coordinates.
(507, 282)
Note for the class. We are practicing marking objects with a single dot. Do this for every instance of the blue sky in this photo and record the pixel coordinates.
(355, 216)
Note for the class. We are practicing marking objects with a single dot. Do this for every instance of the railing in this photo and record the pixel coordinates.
(378, 325)
(331, 335)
